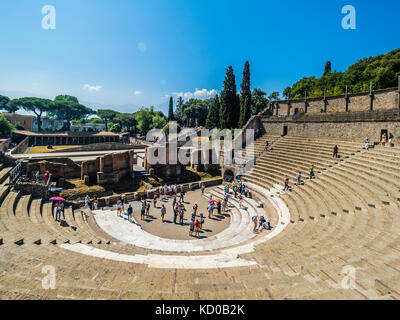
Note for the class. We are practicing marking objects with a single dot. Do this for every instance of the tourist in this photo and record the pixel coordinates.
(383, 140)
(255, 220)
(181, 215)
(59, 209)
(147, 208)
(312, 175)
(195, 207)
(143, 210)
(202, 188)
(202, 219)
(240, 202)
(46, 177)
(224, 204)
(95, 205)
(163, 212)
(286, 185)
(175, 208)
(210, 209)
(336, 152)
(191, 227)
(298, 178)
(181, 195)
(219, 207)
(235, 190)
(366, 146)
(266, 147)
(155, 201)
(160, 190)
(130, 212)
(225, 189)
(87, 201)
(197, 227)
(119, 208)
(391, 140)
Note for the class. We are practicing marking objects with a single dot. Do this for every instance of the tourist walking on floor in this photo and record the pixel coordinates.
(130, 212)
(383, 141)
(191, 227)
(224, 204)
(335, 152)
(197, 227)
(163, 212)
(119, 208)
(195, 207)
(181, 214)
(219, 207)
(147, 208)
(59, 209)
(210, 209)
(143, 210)
(155, 201)
(202, 219)
(202, 188)
(175, 208)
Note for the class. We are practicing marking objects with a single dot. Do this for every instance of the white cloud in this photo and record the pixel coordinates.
(198, 94)
(137, 92)
(92, 88)
(142, 47)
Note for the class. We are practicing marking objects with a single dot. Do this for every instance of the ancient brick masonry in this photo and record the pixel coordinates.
(110, 168)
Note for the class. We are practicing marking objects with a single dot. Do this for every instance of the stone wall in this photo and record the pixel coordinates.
(102, 146)
(21, 147)
(385, 99)
(57, 170)
(109, 168)
(72, 171)
(341, 130)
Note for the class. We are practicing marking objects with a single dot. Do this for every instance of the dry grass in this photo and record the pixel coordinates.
(43, 149)
(77, 189)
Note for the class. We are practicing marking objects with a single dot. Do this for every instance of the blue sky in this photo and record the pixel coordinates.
(139, 52)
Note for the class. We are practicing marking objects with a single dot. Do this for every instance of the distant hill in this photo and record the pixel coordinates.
(382, 70)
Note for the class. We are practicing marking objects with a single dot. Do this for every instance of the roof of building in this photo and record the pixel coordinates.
(66, 134)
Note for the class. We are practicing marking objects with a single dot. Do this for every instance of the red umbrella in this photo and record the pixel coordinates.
(57, 199)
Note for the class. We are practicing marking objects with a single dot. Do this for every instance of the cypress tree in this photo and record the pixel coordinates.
(328, 68)
(229, 110)
(245, 96)
(213, 119)
(171, 110)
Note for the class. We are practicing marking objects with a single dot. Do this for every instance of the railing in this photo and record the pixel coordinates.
(15, 172)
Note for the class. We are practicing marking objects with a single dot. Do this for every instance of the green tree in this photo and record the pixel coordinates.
(158, 121)
(259, 101)
(4, 104)
(68, 108)
(5, 127)
(245, 97)
(328, 68)
(213, 119)
(36, 105)
(229, 112)
(171, 110)
(287, 92)
(115, 127)
(107, 115)
(144, 117)
(179, 105)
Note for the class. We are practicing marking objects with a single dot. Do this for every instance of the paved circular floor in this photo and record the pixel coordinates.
(154, 225)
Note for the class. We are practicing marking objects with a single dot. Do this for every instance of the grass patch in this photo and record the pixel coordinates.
(43, 149)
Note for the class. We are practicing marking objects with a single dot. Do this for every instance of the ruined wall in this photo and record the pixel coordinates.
(341, 130)
(385, 99)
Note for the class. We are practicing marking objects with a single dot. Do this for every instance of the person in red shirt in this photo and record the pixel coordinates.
(197, 227)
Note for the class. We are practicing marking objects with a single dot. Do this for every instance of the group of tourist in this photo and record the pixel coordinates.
(93, 204)
(260, 224)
